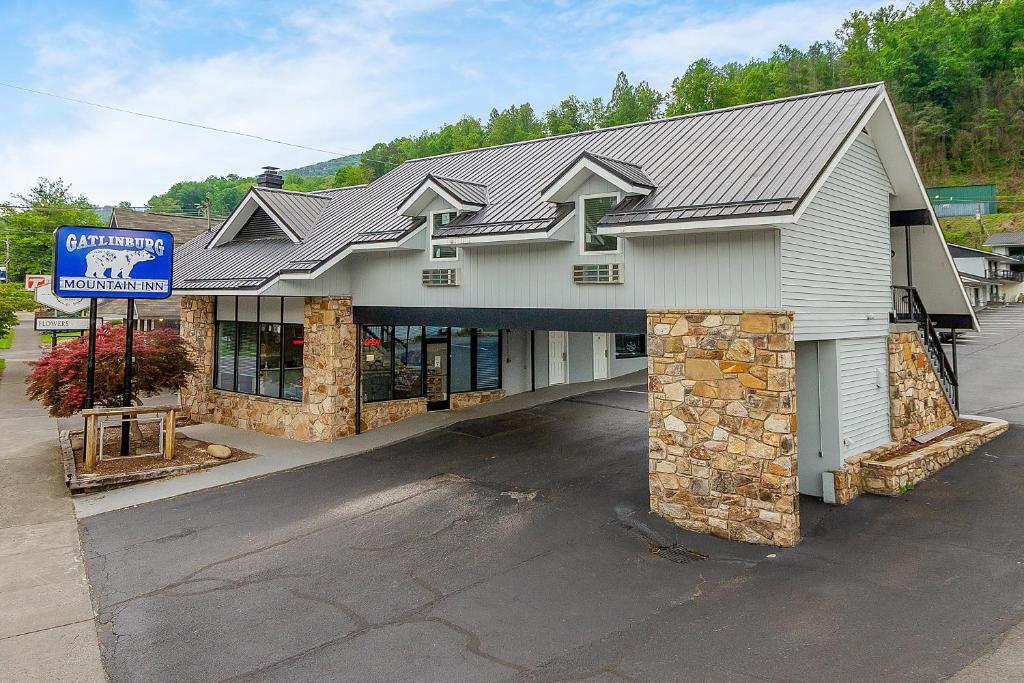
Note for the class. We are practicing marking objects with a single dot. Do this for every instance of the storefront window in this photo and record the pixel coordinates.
(394, 365)
(462, 359)
(248, 334)
(226, 339)
(408, 343)
(251, 353)
(488, 359)
(376, 360)
(292, 360)
(270, 359)
(630, 345)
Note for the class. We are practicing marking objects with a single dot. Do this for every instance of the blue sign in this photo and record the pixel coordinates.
(112, 264)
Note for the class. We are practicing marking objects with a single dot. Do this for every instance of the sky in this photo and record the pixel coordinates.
(337, 76)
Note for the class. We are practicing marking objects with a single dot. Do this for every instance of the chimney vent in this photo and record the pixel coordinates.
(270, 178)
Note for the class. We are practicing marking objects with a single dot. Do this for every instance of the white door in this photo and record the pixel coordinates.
(600, 355)
(810, 461)
(557, 357)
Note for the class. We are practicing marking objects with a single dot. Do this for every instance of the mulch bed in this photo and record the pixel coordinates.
(187, 451)
(911, 446)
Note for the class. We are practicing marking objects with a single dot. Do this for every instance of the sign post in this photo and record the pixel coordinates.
(126, 400)
(112, 263)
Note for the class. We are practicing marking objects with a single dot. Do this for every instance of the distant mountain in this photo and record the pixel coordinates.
(325, 168)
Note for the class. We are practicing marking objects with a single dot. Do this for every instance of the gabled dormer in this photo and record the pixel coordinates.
(270, 213)
(463, 196)
(628, 178)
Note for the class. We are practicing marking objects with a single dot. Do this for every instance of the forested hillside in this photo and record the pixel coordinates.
(954, 69)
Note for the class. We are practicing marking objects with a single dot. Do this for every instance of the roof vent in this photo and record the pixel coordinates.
(270, 178)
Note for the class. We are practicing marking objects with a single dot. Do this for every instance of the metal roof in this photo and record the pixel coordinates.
(631, 172)
(754, 160)
(1005, 239)
(958, 251)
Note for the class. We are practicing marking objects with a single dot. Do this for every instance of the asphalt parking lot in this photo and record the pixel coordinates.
(519, 547)
(991, 364)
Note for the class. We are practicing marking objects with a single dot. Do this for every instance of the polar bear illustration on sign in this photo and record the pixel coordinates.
(119, 261)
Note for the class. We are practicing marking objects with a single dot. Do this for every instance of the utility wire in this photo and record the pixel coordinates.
(170, 120)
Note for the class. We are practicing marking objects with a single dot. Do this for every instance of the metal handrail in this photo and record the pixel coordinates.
(908, 307)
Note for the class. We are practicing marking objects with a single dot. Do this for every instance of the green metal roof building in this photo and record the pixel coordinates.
(962, 200)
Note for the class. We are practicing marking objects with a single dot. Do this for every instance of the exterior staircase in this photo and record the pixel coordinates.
(908, 308)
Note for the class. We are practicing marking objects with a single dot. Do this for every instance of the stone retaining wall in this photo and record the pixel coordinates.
(327, 408)
(896, 476)
(917, 402)
(722, 400)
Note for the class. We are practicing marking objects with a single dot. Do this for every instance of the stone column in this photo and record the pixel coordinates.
(722, 399)
(197, 328)
(329, 359)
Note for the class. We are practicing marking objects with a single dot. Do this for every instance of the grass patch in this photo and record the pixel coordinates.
(6, 338)
(46, 337)
(965, 231)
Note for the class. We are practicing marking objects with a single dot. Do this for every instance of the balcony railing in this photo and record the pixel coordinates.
(1005, 275)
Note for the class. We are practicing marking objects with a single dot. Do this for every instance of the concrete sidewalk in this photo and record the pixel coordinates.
(47, 632)
(278, 454)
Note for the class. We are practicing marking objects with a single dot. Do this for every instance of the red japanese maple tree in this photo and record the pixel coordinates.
(161, 363)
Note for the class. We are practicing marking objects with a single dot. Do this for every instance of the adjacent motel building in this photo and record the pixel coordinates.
(776, 270)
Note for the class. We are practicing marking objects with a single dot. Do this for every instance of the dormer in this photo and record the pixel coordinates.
(463, 196)
(628, 178)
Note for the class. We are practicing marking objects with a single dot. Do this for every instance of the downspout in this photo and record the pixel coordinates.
(533, 365)
(910, 268)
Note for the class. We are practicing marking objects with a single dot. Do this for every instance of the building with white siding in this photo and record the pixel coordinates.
(759, 262)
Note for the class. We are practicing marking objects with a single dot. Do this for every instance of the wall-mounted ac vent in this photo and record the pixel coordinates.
(440, 277)
(597, 273)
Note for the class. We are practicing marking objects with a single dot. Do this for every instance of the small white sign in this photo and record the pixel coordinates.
(64, 324)
(46, 297)
(33, 282)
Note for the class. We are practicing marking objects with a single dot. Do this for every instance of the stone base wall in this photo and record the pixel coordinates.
(380, 413)
(474, 398)
(873, 472)
(722, 400)
(327, 409)
(918, 403)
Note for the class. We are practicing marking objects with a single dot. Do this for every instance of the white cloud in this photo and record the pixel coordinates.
(740, 34)
(331, 85)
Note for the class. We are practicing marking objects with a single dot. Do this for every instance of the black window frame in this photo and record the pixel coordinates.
(474, 384)
(256, 380)
(615, 342)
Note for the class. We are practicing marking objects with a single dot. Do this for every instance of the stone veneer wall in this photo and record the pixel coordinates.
(917, 402)
(722, 400)
(380, 413)
(466, 399)
(327, 408)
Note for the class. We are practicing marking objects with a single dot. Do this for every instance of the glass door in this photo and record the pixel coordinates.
(438, 344)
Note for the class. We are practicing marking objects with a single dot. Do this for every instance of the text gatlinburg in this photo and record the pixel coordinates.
(109, 262)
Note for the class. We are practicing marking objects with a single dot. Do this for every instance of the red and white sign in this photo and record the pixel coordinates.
(34, 282)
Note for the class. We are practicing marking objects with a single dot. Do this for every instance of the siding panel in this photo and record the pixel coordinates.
(836, 264)
(864, 407)
(706, 270)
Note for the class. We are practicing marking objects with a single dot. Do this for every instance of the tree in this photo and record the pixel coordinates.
(30, 219)
(58, 379)
(346, 176)
(573, 115)
(13, 298)
(513, 125)
(631, 104)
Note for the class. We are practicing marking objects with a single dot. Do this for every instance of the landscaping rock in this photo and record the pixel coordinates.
(219, 452)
